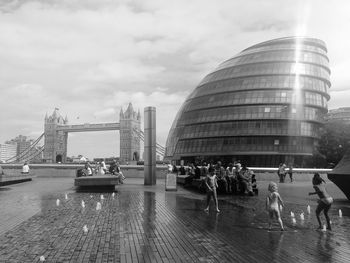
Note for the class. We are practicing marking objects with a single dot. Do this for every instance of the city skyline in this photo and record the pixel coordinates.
(91, 58)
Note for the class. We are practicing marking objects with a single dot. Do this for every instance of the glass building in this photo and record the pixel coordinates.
(264, 106)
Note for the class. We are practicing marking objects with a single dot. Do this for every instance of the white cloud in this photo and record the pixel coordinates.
(90, 57)
(167, 105)
(133, 71)
(105, 113)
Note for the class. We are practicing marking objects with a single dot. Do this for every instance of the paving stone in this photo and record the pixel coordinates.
(147, 224)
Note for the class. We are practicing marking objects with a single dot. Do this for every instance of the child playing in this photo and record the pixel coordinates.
(211, 185)
(273, 200)
(325, 201)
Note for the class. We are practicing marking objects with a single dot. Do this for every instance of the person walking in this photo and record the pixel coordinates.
(273, 202)
(211, 185)
(290, 172)
(325, 200)
(281, 172)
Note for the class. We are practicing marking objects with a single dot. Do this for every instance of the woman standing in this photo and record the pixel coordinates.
(325, 201)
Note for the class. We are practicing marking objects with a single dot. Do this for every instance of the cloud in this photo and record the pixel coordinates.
(339, 99)
(166, 105)
(132, 70)
(91, 57)
(106, 113)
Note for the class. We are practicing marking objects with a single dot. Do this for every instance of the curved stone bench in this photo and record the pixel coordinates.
(97, 182)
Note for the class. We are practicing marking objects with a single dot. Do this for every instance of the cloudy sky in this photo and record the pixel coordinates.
(89, 58)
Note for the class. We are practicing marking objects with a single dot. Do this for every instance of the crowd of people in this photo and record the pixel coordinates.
(100, 168)
(235, 179)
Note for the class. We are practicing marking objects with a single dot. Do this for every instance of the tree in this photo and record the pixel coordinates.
(335, 140)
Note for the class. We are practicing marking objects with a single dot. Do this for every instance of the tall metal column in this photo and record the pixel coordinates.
(150, 145)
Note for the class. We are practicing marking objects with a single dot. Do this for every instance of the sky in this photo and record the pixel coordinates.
(90, 58)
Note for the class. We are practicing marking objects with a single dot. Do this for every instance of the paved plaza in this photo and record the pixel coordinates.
(147, 224)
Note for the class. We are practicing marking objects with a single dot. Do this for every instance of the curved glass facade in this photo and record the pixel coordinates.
(265, 106)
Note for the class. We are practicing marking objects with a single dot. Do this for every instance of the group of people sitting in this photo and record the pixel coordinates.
(236, 178)
(101, 169)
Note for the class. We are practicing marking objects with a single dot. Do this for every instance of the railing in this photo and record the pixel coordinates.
(295, 170)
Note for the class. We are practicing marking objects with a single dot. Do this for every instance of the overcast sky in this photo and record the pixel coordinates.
(89, 58)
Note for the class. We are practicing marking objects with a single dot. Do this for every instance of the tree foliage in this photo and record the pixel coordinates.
(334, 142)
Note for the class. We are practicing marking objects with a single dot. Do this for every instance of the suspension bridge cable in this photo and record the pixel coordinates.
(26, 151)
(32, 156)
(141, 135)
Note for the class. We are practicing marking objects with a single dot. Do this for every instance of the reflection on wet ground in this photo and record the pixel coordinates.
(146, 224)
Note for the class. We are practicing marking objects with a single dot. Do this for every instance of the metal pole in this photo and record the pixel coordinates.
(150, 145)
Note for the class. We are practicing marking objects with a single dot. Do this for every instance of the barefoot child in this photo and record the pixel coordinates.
(211, 185)
(325, 201)
(273, 202)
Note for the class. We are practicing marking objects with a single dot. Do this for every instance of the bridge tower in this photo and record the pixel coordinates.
(55, 141)
(130, 126)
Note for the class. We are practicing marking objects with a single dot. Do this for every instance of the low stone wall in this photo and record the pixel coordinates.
(69, 170)
(297, 176)
(137, 171)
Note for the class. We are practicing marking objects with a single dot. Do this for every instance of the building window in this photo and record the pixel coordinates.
(276, 142)
(267, 109)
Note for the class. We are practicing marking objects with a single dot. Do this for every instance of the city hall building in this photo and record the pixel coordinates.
(264, 106)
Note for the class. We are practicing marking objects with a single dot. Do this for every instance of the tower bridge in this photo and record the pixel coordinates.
(56, 131)
(86, 127)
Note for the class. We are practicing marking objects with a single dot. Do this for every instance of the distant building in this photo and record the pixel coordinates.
(340, 114)
(111, 159)
(75, 159)
(22, 143)
(107, 160)
(7, 151)
(25, 150)
(78, 159)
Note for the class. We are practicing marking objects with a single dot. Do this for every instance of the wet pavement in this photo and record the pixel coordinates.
(146, 224)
